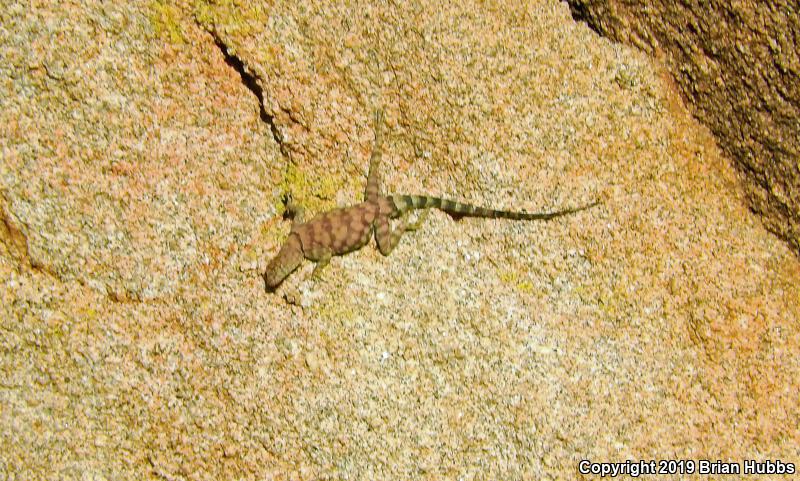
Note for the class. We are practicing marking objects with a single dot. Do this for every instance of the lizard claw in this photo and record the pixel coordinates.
(292, 210)
(289, 205)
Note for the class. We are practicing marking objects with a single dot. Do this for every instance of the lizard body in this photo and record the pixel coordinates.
(347, 229)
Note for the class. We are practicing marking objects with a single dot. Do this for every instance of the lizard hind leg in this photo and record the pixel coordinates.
(388, 238)
(411, 226)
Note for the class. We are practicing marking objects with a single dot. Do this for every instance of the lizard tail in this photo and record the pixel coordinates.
(457, 210)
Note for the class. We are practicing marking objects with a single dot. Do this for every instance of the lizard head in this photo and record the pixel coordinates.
(284, 263)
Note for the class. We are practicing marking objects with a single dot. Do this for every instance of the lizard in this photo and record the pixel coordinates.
(344, 230)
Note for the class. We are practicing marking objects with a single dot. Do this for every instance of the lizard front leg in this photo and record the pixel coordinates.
(387, 238)
(293, 211)
(322, 256)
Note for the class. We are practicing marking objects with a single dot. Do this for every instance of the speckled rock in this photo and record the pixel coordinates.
(737, 64)
(146, 147)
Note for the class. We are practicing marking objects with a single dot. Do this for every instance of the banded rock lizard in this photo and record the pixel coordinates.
(347, 229)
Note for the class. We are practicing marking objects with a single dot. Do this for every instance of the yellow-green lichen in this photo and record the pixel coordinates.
(328, 186)
(314, 196)
(513, 279)
(166, 21)
(243, 17)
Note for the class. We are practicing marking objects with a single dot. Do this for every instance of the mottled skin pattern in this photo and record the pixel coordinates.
(347, 229)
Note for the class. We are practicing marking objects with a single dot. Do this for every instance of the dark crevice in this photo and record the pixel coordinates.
(581, 13)
(251, 82)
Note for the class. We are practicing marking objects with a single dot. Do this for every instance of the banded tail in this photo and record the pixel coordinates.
(457, 210)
